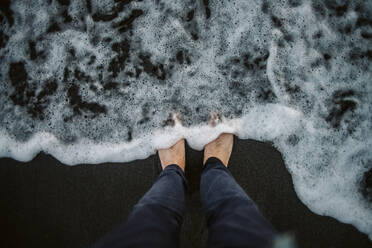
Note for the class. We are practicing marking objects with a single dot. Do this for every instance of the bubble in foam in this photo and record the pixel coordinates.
(97, 80)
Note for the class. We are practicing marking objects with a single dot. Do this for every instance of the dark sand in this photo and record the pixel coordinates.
(47, 204)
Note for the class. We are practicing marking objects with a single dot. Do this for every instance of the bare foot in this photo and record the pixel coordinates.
(222, 146)
(173, 155)
(214, 119)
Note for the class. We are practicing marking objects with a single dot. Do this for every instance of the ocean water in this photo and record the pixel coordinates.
(97, 80)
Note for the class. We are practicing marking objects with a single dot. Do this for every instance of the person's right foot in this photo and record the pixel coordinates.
(221, 147)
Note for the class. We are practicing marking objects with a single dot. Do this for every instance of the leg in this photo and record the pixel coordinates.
(156, 219)
(232, 217)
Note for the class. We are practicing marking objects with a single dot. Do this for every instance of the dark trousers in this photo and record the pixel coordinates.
(232, 217)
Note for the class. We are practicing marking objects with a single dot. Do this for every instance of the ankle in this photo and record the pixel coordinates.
(213, 158)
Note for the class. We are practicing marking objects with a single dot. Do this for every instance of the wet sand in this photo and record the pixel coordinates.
(47, 204)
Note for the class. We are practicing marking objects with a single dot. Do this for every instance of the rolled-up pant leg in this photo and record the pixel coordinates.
(156, 219)
(232, 217)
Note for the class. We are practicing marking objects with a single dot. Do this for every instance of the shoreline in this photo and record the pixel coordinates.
(45, 203)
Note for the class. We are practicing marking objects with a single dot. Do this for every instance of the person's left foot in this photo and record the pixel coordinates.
(173, 155)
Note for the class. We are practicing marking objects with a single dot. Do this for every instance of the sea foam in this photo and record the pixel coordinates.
(96, 81)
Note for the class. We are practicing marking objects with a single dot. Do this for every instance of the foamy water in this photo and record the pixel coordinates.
(95, 81)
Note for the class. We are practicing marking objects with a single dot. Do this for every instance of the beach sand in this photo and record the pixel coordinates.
(47, 204)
